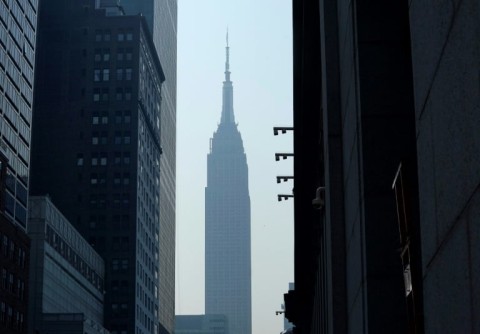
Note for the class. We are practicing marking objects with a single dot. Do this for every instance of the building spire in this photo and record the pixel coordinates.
(227, 107)
(227, 63)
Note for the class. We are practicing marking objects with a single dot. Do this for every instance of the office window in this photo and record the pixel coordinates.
(5, 245)
(105, 94)
(4, 278)
(11, 251)
(118, 117)
(106, 74)
(120, 36)
(116, 179)
(21, 293)
(103, 159)
(118, 137)
(106, 54)
(127, 116)
(96, 95)
(104, 117)
(117, 158)
(128, 74)
(119, 74)
(128, 94)
(98, 35)
(3, 312)
(126, 158)
(128, 54)
(119, 94)
(106, 35)
(96, 75)
(98, 55)
(79, 159)
(126, 179)
(10, 282)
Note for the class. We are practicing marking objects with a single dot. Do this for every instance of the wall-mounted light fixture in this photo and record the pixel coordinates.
(284, 197)
(284, 178)
(283, 156)
(281, 129)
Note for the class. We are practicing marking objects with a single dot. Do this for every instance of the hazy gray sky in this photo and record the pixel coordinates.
(261, 66)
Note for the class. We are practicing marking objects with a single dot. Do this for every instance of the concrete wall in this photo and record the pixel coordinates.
(446, 61)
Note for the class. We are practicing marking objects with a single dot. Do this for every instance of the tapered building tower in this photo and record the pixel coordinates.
(227, 222)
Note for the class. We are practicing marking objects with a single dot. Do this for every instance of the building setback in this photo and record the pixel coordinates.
(97, 147)
(161, 17)
(227, 222)
(18, 25)
(67, 275)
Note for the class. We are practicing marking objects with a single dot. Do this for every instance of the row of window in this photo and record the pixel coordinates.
(101, 117)
(12, 283)
(12, 251)
(145, 320)
(101, 179)
(106, 35)
(11, 318)
(15, 121)
(121, 54)
(99, 201)
(103, 95)
(101, 138)
(13, 101)
(54, 240)
(120, 264)
(104, 74)
(101, 158)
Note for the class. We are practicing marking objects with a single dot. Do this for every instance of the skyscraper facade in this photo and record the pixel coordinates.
(161, 16)
(97, 147)
(18, 25)
(227, 222)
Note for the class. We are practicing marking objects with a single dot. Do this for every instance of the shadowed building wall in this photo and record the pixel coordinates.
(386, 93)
(161, 17)
(97, 147)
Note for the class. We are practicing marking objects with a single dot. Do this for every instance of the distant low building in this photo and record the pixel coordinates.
(201, 324)
(67, 275)
(287, 324)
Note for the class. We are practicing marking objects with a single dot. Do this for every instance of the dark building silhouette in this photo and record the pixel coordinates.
(386, 114)
(227, 222)
(97, 146)
(18, 25)
(161, 17)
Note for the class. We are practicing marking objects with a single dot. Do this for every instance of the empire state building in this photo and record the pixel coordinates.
(227, 222)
